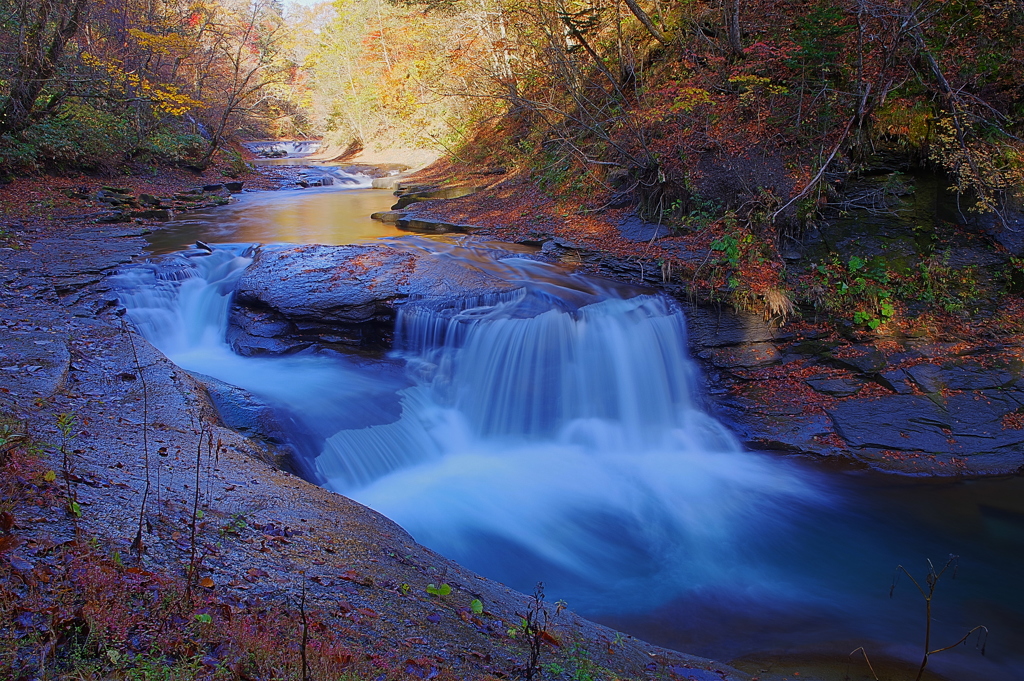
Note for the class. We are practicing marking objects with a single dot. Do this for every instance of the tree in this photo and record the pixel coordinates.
(45, 27)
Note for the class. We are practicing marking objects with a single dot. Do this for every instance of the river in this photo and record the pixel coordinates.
(561, 436)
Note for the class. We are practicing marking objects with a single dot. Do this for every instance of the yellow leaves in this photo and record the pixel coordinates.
(689, 98)
(982, 166)
(172, 44)
(165, 97)
(169, 99)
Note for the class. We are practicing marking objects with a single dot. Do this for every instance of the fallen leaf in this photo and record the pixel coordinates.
(8, 543)
(206, 582)
(6, 521)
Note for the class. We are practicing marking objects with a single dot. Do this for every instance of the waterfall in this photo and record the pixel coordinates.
(554, 431)
(566, 440)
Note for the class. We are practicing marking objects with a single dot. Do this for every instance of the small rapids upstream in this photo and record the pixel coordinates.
(556, 434)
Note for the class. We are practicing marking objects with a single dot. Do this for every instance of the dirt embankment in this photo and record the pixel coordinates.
(108, 444)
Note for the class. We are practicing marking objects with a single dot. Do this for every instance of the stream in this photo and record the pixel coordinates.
(559, 435)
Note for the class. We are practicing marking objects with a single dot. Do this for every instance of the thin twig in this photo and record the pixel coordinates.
(137, 545)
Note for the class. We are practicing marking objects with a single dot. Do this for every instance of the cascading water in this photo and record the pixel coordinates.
(556, 425)
(554, 433)
(181, 304)
(569, 438)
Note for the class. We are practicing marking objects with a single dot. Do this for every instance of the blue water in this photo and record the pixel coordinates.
(559, 434)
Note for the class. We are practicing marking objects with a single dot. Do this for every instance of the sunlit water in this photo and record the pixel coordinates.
(325, 215)
(557, 434)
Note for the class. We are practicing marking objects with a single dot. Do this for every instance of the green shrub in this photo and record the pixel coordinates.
(172, 146)
(80, 136)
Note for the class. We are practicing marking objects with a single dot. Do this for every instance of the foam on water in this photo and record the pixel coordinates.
(556, 433)
(571, 438)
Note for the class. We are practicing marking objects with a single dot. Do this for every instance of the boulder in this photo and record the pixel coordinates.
(388, 216)
(341, 298)
(635, 228)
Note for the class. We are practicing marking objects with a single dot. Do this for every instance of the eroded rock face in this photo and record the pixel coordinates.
(342, 297)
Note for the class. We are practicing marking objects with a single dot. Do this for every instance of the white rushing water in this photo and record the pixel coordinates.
(536, 432)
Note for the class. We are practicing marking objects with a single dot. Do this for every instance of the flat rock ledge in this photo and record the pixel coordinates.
(343, 298)
(911, 406)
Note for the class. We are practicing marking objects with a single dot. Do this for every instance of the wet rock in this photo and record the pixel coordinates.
(635, 228)
(32, 364)
(711, 327)
(863, 360)
(965, 424)
(964, 375)
(904, 422)
(410, 197)
(154, 214)
(342, 297)
(115, 217)
(896, 381)
(212, 187)
(746, 356)
(762, 423)
(388, 216)
(836, 387)
(423, 226)
(233, 186)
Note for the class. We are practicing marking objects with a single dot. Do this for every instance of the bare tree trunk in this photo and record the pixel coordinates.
(38, 57)
(731, 10)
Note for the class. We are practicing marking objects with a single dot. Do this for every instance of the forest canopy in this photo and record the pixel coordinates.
(663, 97)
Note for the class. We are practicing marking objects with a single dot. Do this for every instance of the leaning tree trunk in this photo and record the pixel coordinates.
(644, 19)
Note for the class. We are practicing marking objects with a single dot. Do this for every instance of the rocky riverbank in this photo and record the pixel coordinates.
(116, 447)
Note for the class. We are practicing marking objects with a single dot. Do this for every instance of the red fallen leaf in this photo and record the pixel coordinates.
(549, 639)
(206, 582)
(344, 607)
(368, 612)
(6, 521)
(8, 543)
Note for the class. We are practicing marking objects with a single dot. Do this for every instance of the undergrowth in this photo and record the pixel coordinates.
(73, 608)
